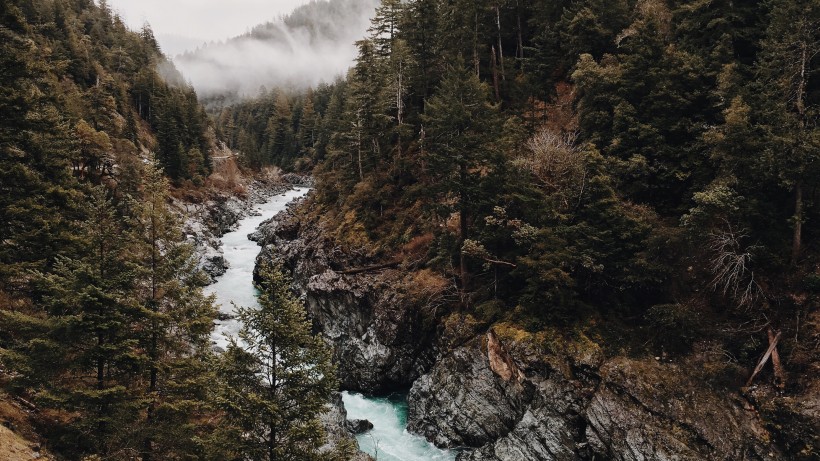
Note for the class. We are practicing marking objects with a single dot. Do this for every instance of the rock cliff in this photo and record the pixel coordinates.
(382, 330)
(574, 404)
(504, 394)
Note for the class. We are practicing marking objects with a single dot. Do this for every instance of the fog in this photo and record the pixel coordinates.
(313, 44)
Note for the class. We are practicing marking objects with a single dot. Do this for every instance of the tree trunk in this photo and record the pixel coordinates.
(359, 151)
(153, 353)
(797, 237)
(494, 65)
(462, 218)
(520, 51)
(764, 359)
(476, 62)
(779, 375)
(500, 49)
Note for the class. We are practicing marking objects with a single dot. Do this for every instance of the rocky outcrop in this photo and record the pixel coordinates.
(206, 220)
(573, 405)
(449, 406)
(338, 429)
(359, 426)
(382, 331)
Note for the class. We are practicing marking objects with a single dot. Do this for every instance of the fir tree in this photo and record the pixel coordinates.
(275, 380)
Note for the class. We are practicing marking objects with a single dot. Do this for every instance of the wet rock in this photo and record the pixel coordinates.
(334, 420)
(213, 262)
(358, 426)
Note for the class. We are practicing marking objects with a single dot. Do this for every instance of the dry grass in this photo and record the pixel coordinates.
(18, 440)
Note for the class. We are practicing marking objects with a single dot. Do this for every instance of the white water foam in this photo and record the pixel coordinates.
(236, 285)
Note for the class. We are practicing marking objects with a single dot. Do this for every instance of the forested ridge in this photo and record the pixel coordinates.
(105, 333)
(641, 171)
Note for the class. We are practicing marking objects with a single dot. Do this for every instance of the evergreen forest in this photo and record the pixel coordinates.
(645, 173)
(650, 163)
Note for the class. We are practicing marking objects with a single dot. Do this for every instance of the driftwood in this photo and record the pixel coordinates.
(375, 267)
(765, 358)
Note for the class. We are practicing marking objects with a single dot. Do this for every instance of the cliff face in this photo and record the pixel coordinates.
(505, 394)
(575, 404)
(382, 334)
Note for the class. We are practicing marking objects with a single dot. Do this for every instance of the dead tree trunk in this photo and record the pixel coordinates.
(797, 237)
(764, 359)
(779, 375)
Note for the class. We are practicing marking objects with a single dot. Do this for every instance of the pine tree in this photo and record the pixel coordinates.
(788, 69)
(36, 187)
(274, 381)
(177, 320)
(91, 324)
(462, 160)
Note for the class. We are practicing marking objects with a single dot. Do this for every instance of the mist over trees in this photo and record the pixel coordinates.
(312, 44)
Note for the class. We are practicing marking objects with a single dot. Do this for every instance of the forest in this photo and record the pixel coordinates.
(644, 171)
(649, 162)
(104, 327)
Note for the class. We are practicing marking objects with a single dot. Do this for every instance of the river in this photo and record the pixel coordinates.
(388, 440)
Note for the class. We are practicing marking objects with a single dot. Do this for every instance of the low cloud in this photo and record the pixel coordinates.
(313, 44)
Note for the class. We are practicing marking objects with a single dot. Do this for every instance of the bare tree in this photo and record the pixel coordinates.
(730, 266)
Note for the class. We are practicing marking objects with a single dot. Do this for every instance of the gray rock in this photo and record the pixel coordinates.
(213, 261)
(463, 403)
(358, 426)
(550, 429)
(570, 407)
(334, 420)
(382, 336)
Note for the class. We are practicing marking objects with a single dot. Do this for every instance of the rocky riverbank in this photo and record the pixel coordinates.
(502, 393)
(209, 217)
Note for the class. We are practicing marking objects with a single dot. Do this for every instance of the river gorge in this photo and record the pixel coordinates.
(389, 439)
(451, 387)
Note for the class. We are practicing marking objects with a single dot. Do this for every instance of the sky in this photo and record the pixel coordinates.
(185, 24)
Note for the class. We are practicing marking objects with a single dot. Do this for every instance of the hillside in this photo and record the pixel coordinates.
(636, 178)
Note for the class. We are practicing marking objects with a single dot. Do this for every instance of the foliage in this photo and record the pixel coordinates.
(276, 381)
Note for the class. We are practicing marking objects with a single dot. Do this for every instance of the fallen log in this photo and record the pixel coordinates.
(779, 375)
(375, 267)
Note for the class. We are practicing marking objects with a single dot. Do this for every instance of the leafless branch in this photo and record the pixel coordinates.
(730, 266)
